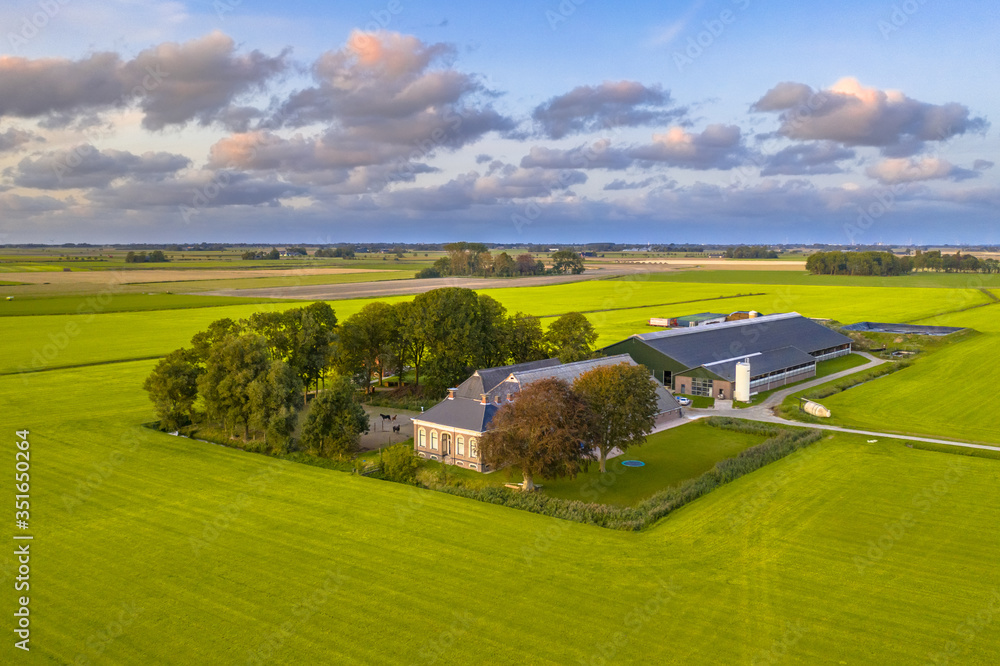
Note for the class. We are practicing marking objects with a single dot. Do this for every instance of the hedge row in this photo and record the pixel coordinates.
(780, 443)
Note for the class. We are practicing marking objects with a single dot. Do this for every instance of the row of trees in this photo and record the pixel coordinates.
(156, 256)
(858, 263)
(251, 255)
(476, 259)
(446, 333)
(253, 375)
(343, 252)
(934, 260)
(751, 252)
(553, 429)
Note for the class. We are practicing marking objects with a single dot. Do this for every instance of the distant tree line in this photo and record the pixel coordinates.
(751, 252)
(887, 263)
(475, 259)
(342, 252)
(858, 263)
(251, 255)
(934, 260)
(156, 256)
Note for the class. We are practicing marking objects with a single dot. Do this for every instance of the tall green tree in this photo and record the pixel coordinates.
(504, 265)
(567, 261)
(571, 337)
(363, 347)
(527, 340)
(203, 341)
(448, 324)
(273, 398)
(412, 334)
(491, 340)
(173, 388)
(233, 364)
(335, 421)
(621, 401)
(538, 433)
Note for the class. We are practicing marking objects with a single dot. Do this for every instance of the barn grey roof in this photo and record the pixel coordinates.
(761, 363)
(485, 380)
(697, 346)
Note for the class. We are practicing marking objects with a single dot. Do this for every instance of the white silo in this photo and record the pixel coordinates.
(742, 392)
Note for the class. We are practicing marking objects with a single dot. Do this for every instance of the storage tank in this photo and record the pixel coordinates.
(754, 314)
(742, 392)
(816, 409)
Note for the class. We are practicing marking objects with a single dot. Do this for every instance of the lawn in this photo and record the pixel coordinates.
(671, 456)
(156, 549)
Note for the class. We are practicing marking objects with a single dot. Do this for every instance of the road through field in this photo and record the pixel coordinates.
(332, 292)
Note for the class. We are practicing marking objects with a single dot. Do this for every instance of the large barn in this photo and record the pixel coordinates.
(781, 349)
(450, 430)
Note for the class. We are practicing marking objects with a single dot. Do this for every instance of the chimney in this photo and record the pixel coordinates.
(483, 400)
(451, 393)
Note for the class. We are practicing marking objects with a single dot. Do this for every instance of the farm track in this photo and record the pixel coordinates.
(333, 292)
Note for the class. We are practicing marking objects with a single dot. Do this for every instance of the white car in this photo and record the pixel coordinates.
(682, 401)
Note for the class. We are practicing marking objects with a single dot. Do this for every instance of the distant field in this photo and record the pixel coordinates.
(950, 393)
(120, 303)
(923, 280)
(157, 537)
(143, 334)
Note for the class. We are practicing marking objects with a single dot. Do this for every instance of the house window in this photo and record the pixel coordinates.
(473, 448)
(421, 439)
(472, 465)
(460, 445)
(445, 443)
(434, 440)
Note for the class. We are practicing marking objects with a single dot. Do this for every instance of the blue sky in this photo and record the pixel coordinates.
(396, 120)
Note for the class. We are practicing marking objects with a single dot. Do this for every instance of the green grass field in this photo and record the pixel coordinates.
(155, 549)
(920, 280)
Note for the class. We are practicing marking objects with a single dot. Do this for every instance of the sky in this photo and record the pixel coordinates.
(725, 121)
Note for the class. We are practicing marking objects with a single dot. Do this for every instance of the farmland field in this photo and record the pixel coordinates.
(167, 537)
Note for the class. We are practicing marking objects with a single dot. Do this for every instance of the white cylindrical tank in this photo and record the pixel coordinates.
(754, 314)
(742, 392)
(816, 409)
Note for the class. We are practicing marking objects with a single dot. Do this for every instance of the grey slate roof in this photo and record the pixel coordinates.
(487, 379)
(762, 363)
(469, 413)
(460, 413)
(697, 346)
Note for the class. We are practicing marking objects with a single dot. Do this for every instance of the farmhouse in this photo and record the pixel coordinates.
(450, 430)
(779, 349)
